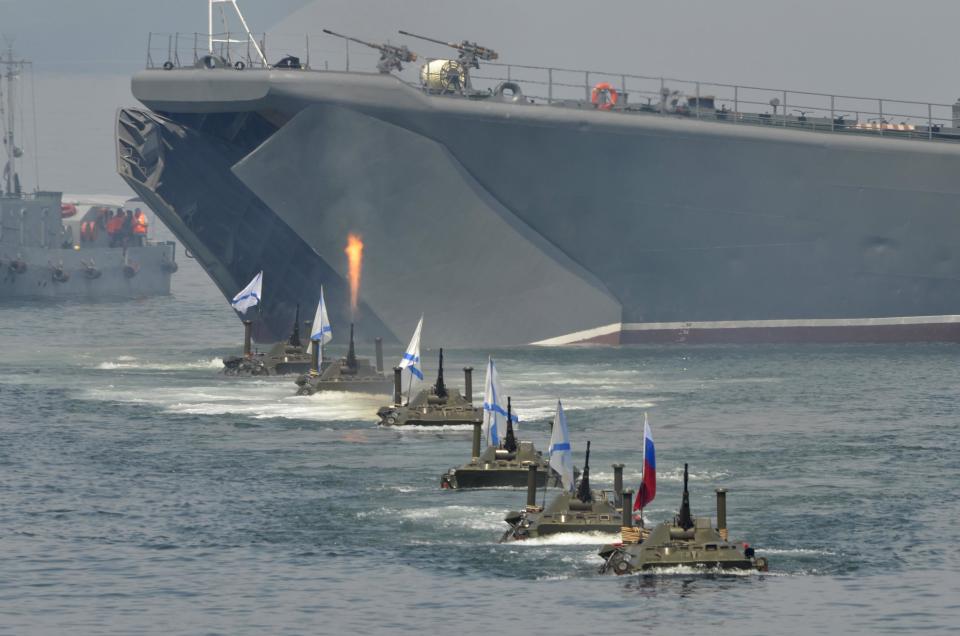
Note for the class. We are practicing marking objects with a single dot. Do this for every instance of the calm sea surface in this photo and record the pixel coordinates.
(143, 492)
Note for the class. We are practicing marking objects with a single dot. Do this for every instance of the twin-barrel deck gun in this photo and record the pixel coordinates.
(391, 57)
(470, 52)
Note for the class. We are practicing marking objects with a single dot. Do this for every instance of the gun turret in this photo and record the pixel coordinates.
(295, 334)
(584, 493)
(391, 57)
(510, 440)
(440, 389)
(351, 354)
(470, 52)
(684, 518)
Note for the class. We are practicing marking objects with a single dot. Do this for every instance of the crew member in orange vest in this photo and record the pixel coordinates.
(140, 227)
(115, 228)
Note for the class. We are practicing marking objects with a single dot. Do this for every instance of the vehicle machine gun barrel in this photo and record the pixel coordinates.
(684, 518)
(584, 493)
(391, 57)
(294, 340)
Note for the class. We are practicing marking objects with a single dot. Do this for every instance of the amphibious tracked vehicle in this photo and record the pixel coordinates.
(437, 405)
(583, 510)
(349, 373)
(685, 541)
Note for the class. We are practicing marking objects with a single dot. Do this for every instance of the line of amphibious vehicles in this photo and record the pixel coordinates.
(685, 541)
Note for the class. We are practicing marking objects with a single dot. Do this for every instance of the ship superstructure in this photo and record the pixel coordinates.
(590, 207)
(75, 247)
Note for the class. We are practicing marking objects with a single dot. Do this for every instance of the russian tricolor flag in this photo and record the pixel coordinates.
(648, 480)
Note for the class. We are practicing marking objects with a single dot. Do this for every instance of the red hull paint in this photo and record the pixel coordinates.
(932, 332)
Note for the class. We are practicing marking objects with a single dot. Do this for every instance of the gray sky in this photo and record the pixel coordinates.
(861, 47)
(110, 36)
(85, 50)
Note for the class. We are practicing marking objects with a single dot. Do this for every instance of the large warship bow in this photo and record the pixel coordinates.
(603, 208)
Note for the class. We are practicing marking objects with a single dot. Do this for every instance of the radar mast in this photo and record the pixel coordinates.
(12, 72)
(224, 38)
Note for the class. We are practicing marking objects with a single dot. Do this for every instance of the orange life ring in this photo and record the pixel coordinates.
(600, 89)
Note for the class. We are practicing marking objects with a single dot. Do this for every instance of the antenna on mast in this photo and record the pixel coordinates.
(11, 73)
(212, 37)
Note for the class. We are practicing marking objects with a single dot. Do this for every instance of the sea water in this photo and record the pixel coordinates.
(141, 491)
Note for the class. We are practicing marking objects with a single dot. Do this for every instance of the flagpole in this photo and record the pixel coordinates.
(643, 469)
(546, 482)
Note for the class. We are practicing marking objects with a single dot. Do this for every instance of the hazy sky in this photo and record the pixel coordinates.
(871, 47)
(85, 49)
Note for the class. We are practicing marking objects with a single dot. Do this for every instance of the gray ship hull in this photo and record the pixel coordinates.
(42, 257)
(576, 225)
(114, 281)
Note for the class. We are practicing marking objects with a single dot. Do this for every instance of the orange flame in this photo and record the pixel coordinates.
(354, 252)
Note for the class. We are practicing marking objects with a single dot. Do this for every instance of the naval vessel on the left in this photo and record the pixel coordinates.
(53, 246)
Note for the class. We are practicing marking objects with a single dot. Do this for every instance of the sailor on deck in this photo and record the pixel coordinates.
(115, 228)
(139, 227)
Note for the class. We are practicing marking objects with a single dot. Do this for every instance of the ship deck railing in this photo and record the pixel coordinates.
(572, 88)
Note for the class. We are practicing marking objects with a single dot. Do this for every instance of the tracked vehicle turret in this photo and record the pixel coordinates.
(438, 405)
(685, 541)
(349, 373)
(582, 510)
(501, 466)
(282, 358)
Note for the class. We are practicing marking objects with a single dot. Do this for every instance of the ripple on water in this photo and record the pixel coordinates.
(143, 483)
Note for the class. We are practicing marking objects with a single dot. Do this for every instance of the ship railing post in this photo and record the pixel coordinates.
(586, 85)
(227, 56)
(169, 47)
(784, 109)
(176, 50)
(929, 121)
(347, 43)
(698, 100)
(549, 85)
(736, 103)
(623, 86)
(307, 41)
(663, 98)
(196, 37)
(149, 43)
(833, 117)
(880, 111)
(509, 73)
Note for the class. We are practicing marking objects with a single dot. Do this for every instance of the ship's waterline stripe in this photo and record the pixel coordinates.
(580, 336)
(613, 328)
